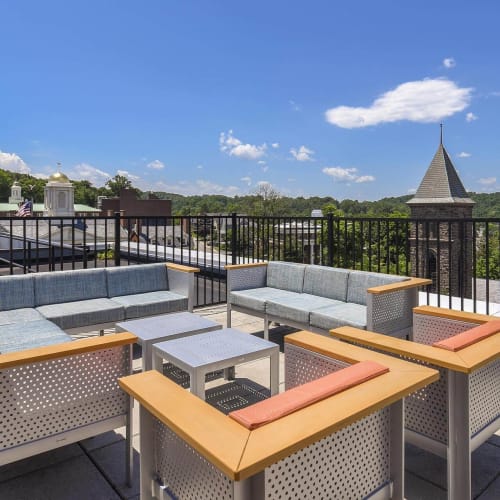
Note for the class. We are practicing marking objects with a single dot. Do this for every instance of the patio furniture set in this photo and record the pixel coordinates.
(338, 429)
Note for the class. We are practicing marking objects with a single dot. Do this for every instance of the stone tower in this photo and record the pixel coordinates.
(15, 193)
(59, 196)
(440, 240)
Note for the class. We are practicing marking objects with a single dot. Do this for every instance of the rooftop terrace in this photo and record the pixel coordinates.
(94, 468)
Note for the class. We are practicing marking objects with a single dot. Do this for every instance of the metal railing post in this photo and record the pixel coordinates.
(329, 230)
(117, 239)
(234, 238)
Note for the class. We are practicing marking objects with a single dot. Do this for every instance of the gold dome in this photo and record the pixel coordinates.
(58, 177)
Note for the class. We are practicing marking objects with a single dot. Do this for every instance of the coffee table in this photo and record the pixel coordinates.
(216, 350)
(165, 327)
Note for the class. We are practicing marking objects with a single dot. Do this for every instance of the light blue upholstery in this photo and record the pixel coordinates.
(256, 298)
(297, 308)
(326, 282)
(69, 286)
(142, 278)
(83, 312)
(342, 314)
(30, 334)
(16, 292)
(286, 276)
(19, 315)
(360, 281)
(151, 303)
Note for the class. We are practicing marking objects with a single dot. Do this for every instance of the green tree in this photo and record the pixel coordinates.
(117, 183)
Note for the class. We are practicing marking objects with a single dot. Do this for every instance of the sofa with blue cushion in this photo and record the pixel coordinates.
(319, 298)
(40, 309)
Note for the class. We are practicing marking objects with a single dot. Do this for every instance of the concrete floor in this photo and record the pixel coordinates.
(94, 468)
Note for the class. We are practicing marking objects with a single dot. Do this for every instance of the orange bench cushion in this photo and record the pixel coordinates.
(469, 337)
(304, 395)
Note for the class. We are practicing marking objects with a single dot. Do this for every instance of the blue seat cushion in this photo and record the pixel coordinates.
(69, 286)
(19, 315)
(343, 314)
(30, 334)
(151, 303)
(256, 298)
(16, 292)
(297, 308)
(83, 313)
(129, 280)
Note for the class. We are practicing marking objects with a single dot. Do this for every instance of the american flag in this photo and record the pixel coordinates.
(25, 210)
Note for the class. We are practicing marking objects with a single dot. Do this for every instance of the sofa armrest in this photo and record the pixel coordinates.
(400, 285)
(181, 281)
(390, 307)
(467, 360)
(55, 351)
(441, 312)
(246, 276)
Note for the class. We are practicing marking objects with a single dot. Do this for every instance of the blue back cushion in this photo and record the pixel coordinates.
(286, 276)
(326, 282)
(128, 280)
(360, 281)
(69, 286)
(16, 292)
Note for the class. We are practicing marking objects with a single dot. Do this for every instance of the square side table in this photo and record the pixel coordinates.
(165, 327)
(216, 350)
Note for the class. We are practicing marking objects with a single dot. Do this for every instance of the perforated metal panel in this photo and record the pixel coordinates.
(426, 411)
(243, 279)
(351, 463)
(392, 311)
(187, 474)
(302, 365)
(46, 398)
(484, 396)
(429, 329)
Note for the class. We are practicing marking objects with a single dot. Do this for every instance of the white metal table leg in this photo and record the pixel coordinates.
(147, 453)
(274, 372)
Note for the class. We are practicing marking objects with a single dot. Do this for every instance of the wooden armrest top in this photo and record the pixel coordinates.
(240, 452)
(9, 360)
(180, 267)
(218, 438)
(441, 312)
(466, 360)
(243, 266)
(399, 285)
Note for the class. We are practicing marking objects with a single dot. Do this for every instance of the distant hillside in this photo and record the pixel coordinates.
(487, 204)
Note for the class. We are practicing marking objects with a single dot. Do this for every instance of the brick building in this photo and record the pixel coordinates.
(442, 250)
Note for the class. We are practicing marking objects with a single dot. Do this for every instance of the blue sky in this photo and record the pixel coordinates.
(316, 98)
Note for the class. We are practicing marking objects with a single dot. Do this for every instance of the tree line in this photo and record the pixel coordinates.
(264, 201)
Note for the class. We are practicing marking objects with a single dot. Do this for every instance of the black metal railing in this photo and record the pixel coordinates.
(461, 256)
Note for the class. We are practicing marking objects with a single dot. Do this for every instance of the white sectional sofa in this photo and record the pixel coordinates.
(319, 298)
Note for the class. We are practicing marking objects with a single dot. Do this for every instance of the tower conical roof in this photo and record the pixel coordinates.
(441, 183)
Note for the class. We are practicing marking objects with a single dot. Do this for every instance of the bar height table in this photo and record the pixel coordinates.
(216, 350)
(165, 327)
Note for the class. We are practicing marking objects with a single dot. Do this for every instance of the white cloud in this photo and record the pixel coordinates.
(294, 105)
(412, 190)
(422, 101)
(264, 168)
(302, 154)
(128, 175)
(464, 154)
(86, 172)
(14, 163)
(275, 145)
(247, 180)
(487, 181)
(199, 167)
(234, 147)
(470, 117)
(449, 62)
(156, 165)
(198, 187)
(340, 174)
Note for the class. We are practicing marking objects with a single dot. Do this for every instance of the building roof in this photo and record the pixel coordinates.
(39, 207)
(441, 183)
